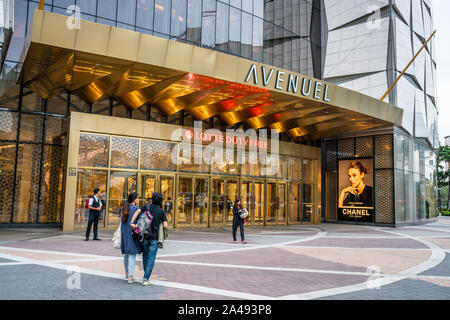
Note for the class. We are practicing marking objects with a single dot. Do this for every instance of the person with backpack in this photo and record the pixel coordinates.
(128, 246)
(95, 206)
(149, 218)
(238, 221)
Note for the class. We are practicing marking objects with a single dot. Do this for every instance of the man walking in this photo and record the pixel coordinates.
(95, 206)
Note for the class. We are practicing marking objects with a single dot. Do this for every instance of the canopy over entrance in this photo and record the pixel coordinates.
(97, 61)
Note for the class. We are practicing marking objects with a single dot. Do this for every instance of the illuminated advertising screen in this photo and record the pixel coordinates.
(356, 196)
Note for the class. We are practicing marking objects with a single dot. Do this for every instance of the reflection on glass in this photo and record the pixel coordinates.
(93, 151)
(166, 188)
(217, 201)
(282, 203)
(273, 202)
(87, 181)
(259, 203)
(178, 28)
(120, 186)
(162, 16)
(144, 13)
(246, 192)
(232, 188)
(235, 31)
(126, 11)
(184, 202)
(148, 188)
(27, 181)
(294, 203)
(222, 26)
(107, 9)
(209, 23)
(258, 39)
(194, 21)
(201, 202)
(247, 32)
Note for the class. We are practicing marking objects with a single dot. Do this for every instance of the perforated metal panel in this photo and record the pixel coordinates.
(157, 155)
(307, 170)
(52, 185)
(8, 154)
(93, 151)
(332, 155)
(124, 152)
(364, 147)
(8, 125)
(27, 183)
(384, 197)
(346, 148)
(331, 196)
(383, 152)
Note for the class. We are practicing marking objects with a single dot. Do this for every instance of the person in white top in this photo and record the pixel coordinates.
(95, 207)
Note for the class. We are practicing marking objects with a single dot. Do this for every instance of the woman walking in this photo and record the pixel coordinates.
(238, 209)
(150, 243)
(129, 247)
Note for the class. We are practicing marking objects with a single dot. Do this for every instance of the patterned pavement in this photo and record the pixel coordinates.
(330, 261)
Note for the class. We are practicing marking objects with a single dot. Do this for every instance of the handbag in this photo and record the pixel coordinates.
(244, 214)
(117, 238)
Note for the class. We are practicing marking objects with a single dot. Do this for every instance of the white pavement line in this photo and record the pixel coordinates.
(350, 248)
(204, 242)
(235, 266)
(360, 237)
(346, 273)
(54, 252)
(245, 248)
(5, 264)
(208, 290)
(437, 256)
(432, 229)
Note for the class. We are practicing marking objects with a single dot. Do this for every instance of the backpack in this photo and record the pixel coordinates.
(86, 203)
(144, 226)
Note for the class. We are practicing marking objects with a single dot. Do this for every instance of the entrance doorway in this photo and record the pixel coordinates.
(156, 182)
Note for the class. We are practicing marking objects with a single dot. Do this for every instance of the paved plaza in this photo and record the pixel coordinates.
(330, 261)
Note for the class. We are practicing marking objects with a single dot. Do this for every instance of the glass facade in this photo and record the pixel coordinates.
(119, 166)
(329, 40)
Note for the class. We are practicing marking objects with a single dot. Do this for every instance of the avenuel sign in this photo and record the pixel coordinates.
(290, 83)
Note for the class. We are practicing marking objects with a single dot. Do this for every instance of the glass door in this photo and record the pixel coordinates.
(201, 202)
(294, 203)
(217, 201)
(148, 187)
(246, 195)
(121, 184)
(231, 196)
(282, 203)
(259, 203)
(166, 187)
(184, 202)
(272, 203)
(307, 203)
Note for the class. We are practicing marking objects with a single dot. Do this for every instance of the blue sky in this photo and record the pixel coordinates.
(442, 24)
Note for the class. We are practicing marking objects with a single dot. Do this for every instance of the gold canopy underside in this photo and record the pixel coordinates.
(48, 70)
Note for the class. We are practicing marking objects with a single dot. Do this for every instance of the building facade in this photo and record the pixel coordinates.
(50, 162)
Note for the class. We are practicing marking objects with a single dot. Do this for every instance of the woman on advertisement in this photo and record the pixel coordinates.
(358, 194)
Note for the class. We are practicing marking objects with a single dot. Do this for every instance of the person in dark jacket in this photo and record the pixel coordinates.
(128, 246)
(150, 244)
(238, 209)
(95, 206)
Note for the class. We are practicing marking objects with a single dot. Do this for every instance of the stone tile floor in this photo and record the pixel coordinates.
(329, 261)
